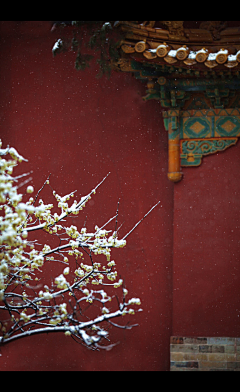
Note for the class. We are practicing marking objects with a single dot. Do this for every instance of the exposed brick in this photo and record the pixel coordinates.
(233, 365)
(186, 364)
(206, 348)
(221, 341)
(184, 348)
(177, 356)
(196, 356)
(229, 349)
(230, 357)
(189, 348)
(194, 340)
(216, 357)
(205, 354)
(218, 349)
(176, 340)
(213, 364)
(180, 356)
(183, 369)
(174, 347)
(218, 369)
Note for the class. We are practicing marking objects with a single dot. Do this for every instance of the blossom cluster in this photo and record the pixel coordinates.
(22, 261)
(12, 219)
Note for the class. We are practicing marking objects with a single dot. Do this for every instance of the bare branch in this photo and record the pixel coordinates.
(138, 223)
(29, 304)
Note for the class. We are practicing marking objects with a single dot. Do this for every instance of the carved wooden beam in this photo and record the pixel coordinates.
(196, 77)
(194, 134)
(212, 45)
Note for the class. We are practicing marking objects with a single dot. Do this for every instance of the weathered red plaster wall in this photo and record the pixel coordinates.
(206, 293)
(79, 128)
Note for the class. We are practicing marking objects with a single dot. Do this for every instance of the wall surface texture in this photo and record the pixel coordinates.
(207, 248)
(182, 261)
(78, 128)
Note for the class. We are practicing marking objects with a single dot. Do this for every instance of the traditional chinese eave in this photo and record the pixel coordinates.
(212, 46)
(195, 75)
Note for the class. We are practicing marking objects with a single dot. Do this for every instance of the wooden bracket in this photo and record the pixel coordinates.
(197, 133)
(196, 79)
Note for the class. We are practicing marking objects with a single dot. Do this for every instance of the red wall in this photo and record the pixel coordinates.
(79, 128)
(206, 300)
(182, 261)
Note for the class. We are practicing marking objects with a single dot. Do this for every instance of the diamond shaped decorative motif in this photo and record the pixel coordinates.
(228, 126)
(197, 127)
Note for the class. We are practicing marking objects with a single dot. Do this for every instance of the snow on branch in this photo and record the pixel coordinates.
(28, 305)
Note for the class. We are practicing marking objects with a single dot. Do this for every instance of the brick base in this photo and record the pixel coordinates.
(204, 353)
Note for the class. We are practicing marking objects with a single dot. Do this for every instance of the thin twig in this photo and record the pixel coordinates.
(138, 223)
(117, 216)
(41, 189)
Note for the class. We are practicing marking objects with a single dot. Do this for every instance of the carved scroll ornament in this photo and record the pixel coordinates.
(195, 74)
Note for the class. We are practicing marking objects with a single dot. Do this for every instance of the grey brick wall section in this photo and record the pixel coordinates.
(204, 353)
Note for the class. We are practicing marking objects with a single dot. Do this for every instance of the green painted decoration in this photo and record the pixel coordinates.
(193, 150)
(201, 113)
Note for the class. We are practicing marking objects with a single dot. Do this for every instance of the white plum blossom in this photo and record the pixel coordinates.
(66, 271)
(30, 189)
(134, 301)
(29, 304)
(61, 282)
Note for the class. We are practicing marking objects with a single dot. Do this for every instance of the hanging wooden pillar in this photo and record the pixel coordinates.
(172, 126)
(197, 83)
